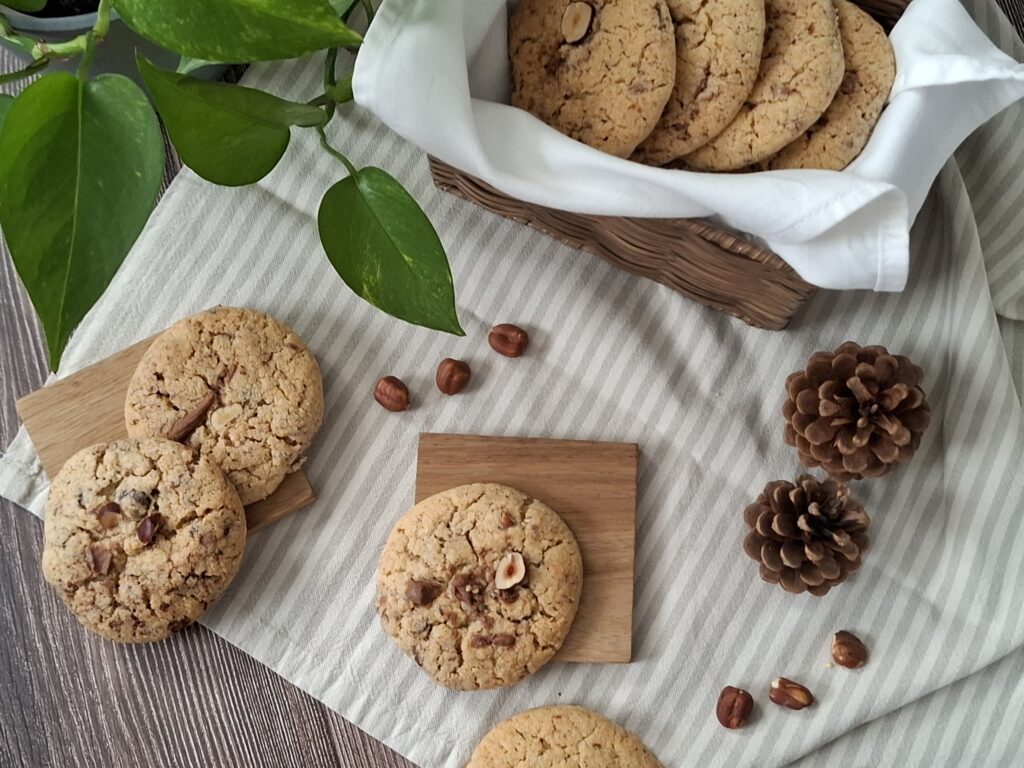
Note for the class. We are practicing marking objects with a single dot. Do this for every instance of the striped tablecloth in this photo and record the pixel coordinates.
(618, 358)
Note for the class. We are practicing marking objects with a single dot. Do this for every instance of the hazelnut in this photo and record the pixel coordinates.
(510, 571)
(734, 707)
(147, 529)
(848, 650)
(504, 641)
(392, 393)
(109, 514)
(421, 592)
(100, 558)
(576, 21)
(789, 694)
(508, 340)
(452, 376)
(221, 417)
(190, 421)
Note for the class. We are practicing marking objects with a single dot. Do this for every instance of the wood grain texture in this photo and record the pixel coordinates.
(70, 699)
(592, 486)
(87, 407)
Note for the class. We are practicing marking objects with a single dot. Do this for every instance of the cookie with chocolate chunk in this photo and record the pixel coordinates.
(479, 585)
(235, 385)
(140, 537)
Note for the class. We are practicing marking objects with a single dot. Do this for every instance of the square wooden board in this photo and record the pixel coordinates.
(87, 407)
(592, 486)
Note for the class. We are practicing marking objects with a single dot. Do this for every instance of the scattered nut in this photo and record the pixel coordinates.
(479, 641)
(422, 592)
(147, 529)
(848, 650)
(109, 514)
(392, 393)
(505, 641)
(187, 424)
(99, 558)
(510, 571)
(221, 417)
(789, 694)
(468, 589)
(507, 521)
(509, 340)
(734, 707)
(576, 21)
(452, 376)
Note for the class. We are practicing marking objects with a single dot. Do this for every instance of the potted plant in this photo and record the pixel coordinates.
(81, 155)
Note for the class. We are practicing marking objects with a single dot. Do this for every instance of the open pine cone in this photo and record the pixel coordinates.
(807, 536)
(856, 412)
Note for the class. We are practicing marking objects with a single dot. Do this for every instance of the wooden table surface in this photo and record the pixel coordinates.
(68, 698)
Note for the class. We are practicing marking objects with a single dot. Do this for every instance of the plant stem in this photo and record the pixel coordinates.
(31, 69)
(76, 46)
(335, 153)
(20, 42)
(330, 78)
(368, 8)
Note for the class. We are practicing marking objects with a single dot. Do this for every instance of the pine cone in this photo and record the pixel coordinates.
(808, 536)
(856, 412)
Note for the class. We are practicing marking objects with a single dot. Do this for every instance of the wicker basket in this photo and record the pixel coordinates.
(702, 261)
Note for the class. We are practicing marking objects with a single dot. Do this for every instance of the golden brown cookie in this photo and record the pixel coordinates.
(836, 139)
(560, 737)
(235, 385)
(140, 537)
(718, 54)
(801, 70)
(598, 71)
(479, 585)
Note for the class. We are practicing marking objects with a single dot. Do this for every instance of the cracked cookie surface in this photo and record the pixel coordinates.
(438, 583)
(251, 387)
(609, 88)
(140, 537)
(801, 70)
(836, 139)
(560, 737)
(718, 55)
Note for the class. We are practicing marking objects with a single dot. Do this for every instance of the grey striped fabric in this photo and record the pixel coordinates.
(618, 358)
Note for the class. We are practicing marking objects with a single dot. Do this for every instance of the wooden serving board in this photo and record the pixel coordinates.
(592, 486)
(87, 408)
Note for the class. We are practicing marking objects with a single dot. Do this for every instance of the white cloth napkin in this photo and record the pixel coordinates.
(614, 357)
(437, 73)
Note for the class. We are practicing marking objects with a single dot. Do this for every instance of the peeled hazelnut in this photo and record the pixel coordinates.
(452, 376)
(392, 393)
(508, 340)
(789, 694)
(220, 418)
(576, 21)
(848, 650)
(109, 514)
(734, 707)
(510, 571)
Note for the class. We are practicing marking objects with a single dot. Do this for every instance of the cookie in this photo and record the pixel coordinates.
(839, 136)
(560, 737)
(140, 537)
(718, 55)
(801, 70)
(479, 585)
(600, 71)
(235, 385)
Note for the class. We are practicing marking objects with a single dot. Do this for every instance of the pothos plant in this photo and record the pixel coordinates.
(81, 157)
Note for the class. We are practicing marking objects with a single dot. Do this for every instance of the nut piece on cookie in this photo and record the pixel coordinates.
(452, 587)
(134, 576)
(235, 385)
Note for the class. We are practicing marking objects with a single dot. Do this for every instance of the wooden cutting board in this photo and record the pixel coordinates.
(592, 486)
(87, 407)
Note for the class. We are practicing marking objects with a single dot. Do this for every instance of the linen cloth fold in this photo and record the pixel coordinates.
(614, 357)
(437, 73)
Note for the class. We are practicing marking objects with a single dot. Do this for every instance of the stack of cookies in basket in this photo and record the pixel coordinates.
(706, 85)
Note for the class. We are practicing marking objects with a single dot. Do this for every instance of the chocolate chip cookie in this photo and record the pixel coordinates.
(801, 70)
(836, 139)
(235, 385)
(599, 71)
(140, 537)
(479, 585)
(718, 54)
(561, 737)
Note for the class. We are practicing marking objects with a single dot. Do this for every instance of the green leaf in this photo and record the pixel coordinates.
(188, 65)
(5, 106)
(228, 134)
(80, 168)
(386, 250)
(238, 30)
(25, 5)
(341, 6)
